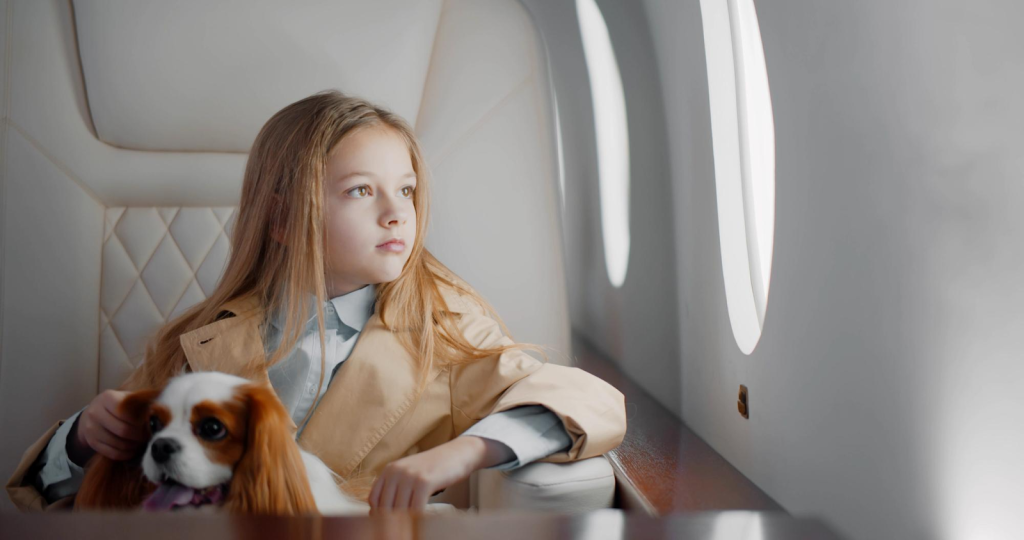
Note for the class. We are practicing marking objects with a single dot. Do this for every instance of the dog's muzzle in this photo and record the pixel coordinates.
(163, 449)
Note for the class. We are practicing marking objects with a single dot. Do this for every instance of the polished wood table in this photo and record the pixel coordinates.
(662, 466)
(601, 524)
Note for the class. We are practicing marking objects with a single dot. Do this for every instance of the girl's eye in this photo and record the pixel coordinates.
(361, 189)
(211, 429)
(154, 424)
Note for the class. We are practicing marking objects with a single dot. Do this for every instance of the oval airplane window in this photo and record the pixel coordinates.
(743, 140)
(612, 138)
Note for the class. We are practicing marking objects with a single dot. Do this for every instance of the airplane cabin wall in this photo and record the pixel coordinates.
(636, 325)
(884, 389)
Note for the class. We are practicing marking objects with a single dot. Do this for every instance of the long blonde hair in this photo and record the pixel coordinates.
(283, 191)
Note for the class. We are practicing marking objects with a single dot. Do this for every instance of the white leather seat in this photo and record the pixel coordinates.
(125, 147)
(569, 488)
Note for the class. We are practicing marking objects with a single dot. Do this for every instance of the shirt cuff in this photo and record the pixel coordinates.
(59, 476)
(532, 432)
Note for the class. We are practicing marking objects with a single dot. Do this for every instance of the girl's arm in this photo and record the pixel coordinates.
(504, 441)
(57, 471)
(58, 475)
(532, 432)
(408, 482)
(591, 411)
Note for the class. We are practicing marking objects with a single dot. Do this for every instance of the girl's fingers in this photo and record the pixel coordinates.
(113, 441)
(110, 401)
(419, 498)
(387, 496)
(403, 494)
(122, 429)
(374, 498)
(120, 425)
(111, 452)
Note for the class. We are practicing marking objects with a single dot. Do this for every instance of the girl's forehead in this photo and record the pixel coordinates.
(359, 141)
(380, 151)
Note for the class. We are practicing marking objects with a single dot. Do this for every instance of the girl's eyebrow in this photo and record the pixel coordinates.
(371, 175)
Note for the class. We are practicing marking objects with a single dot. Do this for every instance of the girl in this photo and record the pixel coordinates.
(398, 375)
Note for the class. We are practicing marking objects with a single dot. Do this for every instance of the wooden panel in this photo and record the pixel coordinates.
(662, 466)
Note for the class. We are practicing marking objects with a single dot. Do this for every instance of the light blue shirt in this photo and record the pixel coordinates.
(530, 432)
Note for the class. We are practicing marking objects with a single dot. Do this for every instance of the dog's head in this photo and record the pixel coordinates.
(217, 439)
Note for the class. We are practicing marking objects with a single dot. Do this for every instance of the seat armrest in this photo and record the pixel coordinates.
(576, 487)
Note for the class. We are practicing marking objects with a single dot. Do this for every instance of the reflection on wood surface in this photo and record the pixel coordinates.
(603, 524)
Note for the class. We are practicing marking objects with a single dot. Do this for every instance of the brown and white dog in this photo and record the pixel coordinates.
(215, 440)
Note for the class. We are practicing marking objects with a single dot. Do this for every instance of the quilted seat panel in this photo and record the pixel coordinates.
(157, 263)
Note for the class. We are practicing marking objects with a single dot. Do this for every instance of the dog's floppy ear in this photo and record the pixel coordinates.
(271, 477)
(118, 484)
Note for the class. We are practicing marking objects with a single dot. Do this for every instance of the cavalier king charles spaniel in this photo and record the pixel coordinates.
(215, 440)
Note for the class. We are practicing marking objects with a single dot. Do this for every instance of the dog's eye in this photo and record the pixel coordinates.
(211, 429)
(154, 424)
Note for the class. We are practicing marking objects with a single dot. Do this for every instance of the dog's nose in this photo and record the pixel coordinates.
(164, 448)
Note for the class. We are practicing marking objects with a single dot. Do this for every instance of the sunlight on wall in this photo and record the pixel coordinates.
(612, 138)
(738, 525)
(604, 524)
(743, 137)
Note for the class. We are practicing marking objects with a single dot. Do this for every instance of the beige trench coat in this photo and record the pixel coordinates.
(373, 413)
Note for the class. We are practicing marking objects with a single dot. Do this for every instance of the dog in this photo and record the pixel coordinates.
(216, 441)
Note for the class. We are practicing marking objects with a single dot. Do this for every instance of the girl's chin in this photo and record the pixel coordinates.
(387, 277)
(383, 275)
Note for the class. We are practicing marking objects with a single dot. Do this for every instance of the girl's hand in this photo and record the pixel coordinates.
(407, 483)
(100, 428)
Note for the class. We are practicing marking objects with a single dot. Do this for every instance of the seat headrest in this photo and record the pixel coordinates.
(205, 76)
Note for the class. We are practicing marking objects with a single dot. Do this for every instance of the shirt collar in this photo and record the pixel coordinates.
(352, 309)
(356, 307)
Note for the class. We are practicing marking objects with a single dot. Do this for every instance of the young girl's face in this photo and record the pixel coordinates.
(369, 200)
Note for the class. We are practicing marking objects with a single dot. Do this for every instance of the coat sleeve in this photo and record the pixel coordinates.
(592, 411)
(20, 487)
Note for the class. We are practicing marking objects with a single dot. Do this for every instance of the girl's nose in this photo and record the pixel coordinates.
(394, 220)
(394, 214)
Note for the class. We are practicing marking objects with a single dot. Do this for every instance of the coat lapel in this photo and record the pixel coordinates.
(373, 388)
(232, 345)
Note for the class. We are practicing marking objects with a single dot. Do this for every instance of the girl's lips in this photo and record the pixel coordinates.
(393, 247)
